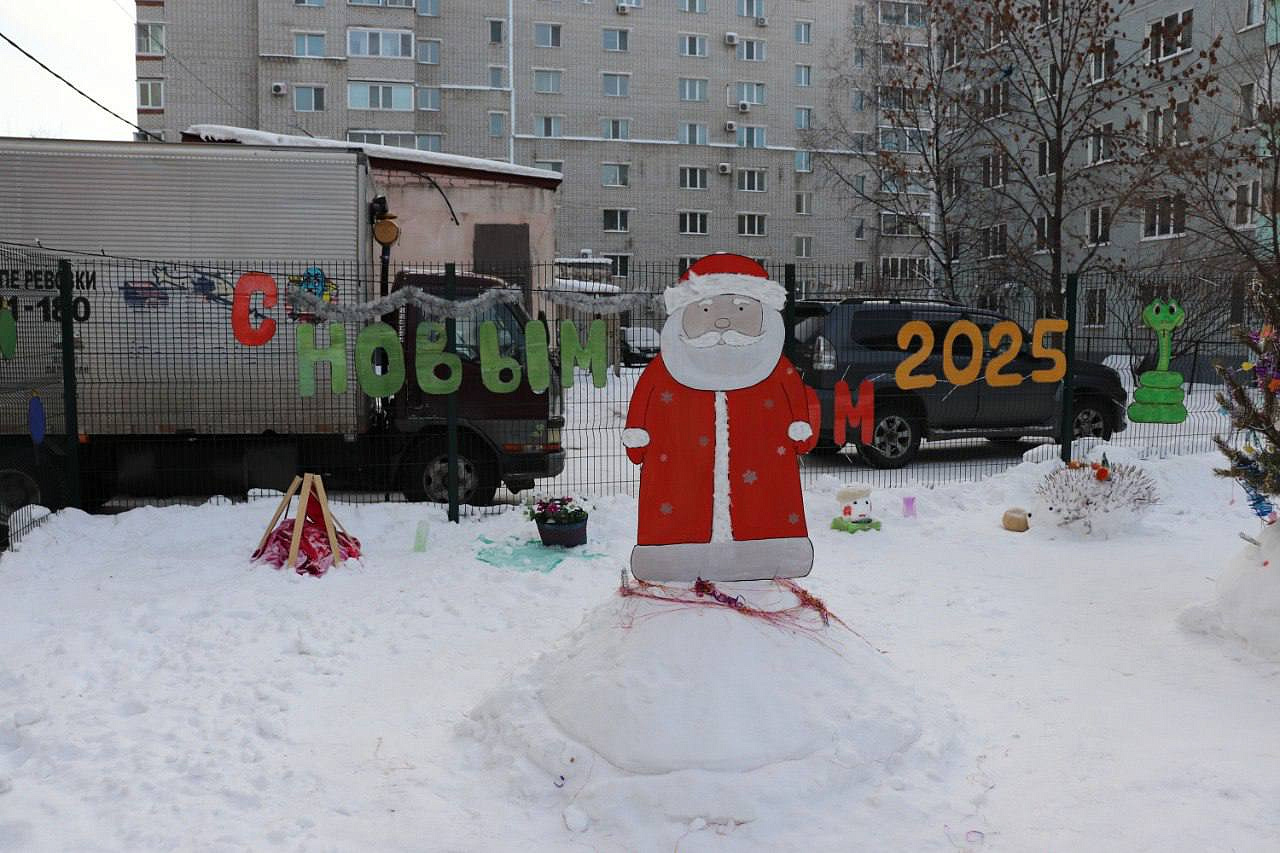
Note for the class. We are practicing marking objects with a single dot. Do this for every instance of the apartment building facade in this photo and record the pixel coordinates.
(679, 125)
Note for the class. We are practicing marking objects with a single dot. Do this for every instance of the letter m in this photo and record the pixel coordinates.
(847, 414)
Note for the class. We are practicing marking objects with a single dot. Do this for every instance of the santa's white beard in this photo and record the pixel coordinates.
(725, 366)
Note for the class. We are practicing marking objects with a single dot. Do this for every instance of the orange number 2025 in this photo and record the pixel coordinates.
(1004, 331)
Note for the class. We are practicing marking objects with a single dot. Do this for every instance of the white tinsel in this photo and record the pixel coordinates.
(437, 306)
(1075, 499)
(622, 303)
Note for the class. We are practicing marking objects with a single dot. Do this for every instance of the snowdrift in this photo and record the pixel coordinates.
(651, 721)
(1247, 608)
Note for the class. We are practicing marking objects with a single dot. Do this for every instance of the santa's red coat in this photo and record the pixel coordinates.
(679, 491)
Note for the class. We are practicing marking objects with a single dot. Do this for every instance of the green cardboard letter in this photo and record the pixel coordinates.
(537, 361)
(594, 356)
(429, 354)
(308, 355)
(374, 337)
(493, 362)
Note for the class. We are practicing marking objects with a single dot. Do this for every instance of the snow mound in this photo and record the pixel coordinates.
(651, 715)
(1247, 608)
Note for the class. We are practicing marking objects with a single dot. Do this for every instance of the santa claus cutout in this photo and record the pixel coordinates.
(717, 423)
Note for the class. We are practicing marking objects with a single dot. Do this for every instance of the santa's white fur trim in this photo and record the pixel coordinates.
(635, 437)
(698, 287)
(721, 484)
(799, 431)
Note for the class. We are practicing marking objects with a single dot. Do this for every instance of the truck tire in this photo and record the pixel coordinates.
(27, 476)
(426, 473)
(895, 438)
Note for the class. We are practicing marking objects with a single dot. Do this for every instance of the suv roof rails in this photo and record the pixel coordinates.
(900, 300)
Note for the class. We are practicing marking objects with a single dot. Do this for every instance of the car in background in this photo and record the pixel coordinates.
(639, 345)
(857, 339)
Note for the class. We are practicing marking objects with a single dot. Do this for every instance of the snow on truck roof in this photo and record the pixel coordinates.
(248, 136)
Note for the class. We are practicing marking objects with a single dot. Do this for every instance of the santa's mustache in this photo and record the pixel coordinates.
(713, 338)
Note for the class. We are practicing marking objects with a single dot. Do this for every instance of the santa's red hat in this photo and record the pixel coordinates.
(724, 274)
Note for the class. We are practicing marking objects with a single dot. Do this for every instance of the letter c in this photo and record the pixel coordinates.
(245, 332)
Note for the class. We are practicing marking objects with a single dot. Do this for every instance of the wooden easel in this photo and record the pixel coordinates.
(309, 483)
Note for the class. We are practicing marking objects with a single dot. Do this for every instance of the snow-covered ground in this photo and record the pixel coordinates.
(1034, 691)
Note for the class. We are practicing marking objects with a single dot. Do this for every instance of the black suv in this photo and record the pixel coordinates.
(858, 339)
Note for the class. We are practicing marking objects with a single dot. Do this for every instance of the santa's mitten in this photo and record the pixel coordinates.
(636, 441)
(801, 435)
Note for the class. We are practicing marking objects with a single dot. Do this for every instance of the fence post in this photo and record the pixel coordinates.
(71, 415)
(789, 313)
(451, 402)
(1067, 428)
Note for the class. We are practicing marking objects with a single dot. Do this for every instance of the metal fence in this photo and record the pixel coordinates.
(172, 404)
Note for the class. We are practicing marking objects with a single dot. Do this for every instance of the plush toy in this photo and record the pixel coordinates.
(855, 512)
(1016, 519)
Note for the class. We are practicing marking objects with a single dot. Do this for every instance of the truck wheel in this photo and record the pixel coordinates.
(426, 474)
(1091, 419)
(895, 438)
(25, 479)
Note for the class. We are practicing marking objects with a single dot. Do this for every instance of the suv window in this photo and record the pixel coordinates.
(878, 330)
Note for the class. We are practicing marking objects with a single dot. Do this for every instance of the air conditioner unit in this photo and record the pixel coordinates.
(744, 106)
(279, 88)
(730, 126)
(730, 38)
(762, 22)
(623, 8)
(724, 169)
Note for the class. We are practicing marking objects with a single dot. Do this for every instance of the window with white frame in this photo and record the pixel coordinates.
(550, 165)
(316, 3)
(912, 139)
(804, 118)
(859, 267)
(803, 246)
(1046, 157)
(308, 44)
(1252, 12)
(858, 100)
(429, 98)
(1100, 224)
(693, 177)
(150, 40)
(913, 182)
(620, 265)
(751, 136)
(804, 75)
(1169, 125)
(1171, 35)
(804, 204)
(1046, 82)
(549, 126)
(898, 53)
(617, 220)
(898, 14)
(388, 44)
(429, 51)
(696, 6)
(751, 8)
(402, 4)
(497, 31)
(497, 124)
(691, 44)
(804, 161)
(1165, 216)
(616, 40)
(615, 175)
(1101, 143)
(1248, 104)
(858, 226)
(995, 169)
(692, 222)
(804, 32)
(497, 77)
(379, 96)
(953, 246)
(693, 133)
(1102, 61)
(546, 81)
(399, 139)
(751, 92)
(615, 128)
(751, 180)
(1042, 233)
(546, 35)
(995, 100)
(751, 50)
(995, 240)
(1247, 202)
(1095, 306)
(617, 85)
(904, 267)
(429, 8)
(751, 225)
(953, 50)
(1050, 10)
(308, 99)
(692, 89)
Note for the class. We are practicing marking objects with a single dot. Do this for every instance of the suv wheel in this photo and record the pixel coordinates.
(1091, 419)
(426, 473)
(895, 439)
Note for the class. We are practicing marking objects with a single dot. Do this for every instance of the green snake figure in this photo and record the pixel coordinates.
(1158, 397)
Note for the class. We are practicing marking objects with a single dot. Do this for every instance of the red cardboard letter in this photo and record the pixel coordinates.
(246, 333)
(846, 412)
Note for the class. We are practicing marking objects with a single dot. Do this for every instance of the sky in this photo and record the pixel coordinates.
(91, 43)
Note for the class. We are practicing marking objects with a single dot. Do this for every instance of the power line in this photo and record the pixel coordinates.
(76, 88)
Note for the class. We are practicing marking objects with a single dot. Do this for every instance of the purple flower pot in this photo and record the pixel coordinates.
(564, 535)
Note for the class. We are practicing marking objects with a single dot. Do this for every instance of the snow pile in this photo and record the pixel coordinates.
(1247, 608)
(651, 721)
(1101, 501)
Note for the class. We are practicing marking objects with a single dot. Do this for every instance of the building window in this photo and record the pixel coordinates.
(751, 136)
(1099, 224)
(1100, 143)
(308, 44)
(1248, 105)
(1252, 13)
(995, 241)
(804, 204)
(693, 178)
(1102, 62)
(751, 180)
(804, 32)
(429, 98)
(1171, 35)
(1169, 126)
(549, 126)
(697, 6)
(804, 246)
(497, 31)
(1095, 306)
(1247, 201)
(859, 228)
(497, 77)
(858, 101)
(1046, 83)
(1165, 216)
(1046, 157)
(620, 265)
(751, 93)
(615, 128)
(550, 165)
(546, 35)
(751, 50)
(380, 137)
(804, 75)
(400, 4)
(616, 40)
(1042, 233)
(692, 45)
(379, 96)
(995, 169)
(546, 81)
(804, 118)
(908, 267)
(751, 225)
(751, 8)
(804, 161)
(615, 175)
(692, 222)
(429, 142)
(902, 14)
(391, 44)
(151, 40)
(308, 99)
(308, 2)
(692, 90)
(692, 133)
(150, 94)
(617, 85)
(995, 100)
(429, 51)
(429, 8)
(617, 220)
(497, 124)
(902, 225)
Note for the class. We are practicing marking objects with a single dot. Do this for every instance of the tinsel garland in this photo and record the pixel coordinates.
(437, 306)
